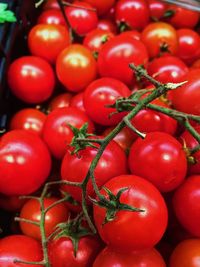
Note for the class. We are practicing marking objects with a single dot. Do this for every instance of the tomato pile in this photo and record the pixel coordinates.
(85, 183)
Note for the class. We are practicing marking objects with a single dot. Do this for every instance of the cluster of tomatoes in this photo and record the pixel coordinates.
(78, 67)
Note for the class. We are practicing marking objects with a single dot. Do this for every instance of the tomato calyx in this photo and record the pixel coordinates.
(113, 204)
(169, 13)
(189, 153)
(123, 26)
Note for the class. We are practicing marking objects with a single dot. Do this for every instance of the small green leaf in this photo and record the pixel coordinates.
(6, 15)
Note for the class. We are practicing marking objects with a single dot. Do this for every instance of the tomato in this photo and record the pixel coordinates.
(60, 101)
(102, 6)
(187, 97)
(160, 159)
(133, 34)
(75, 167)
(25, 163)
(130, 230)
(186, 254)
(196, 64)
(133, 13)
(81, 18)
(116, 55)
(187, 196)
(107, 25)
(160, 37)
(77, 101)
(157, 9)
(51, 4)
(13, 203)
(31, 211)
(179, 15)
(190, 142)
(48, 40)
(111, 258)
(189, 45)
(72, 60)
(28, 119)
(95, 39)
(56, 132)
(61, 252)
(101, 93)
(19, 247)
(51, 16)
(25, 76)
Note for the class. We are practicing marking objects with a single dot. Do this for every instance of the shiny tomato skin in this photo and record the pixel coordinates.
(75, 167)
(187, 253)
(81, 18)
(25, 77)
(188, 196)
(31, 211)
(48, 40)
(102, 6)
(12, 204)
(134, 13)
(51, 16)
(25, 163)
(116, 55)
(56, 132)
(19, 247)
(157, 36)
(107, 25)
(60, 101)
(76, 59)
(101, 93)
(160, 159)
(77, 101)
(187, 97)
(51, 4)
(61, 252)
(141, 194)
(28, 119)
(157, 9)
(109, 257)
(132, 33)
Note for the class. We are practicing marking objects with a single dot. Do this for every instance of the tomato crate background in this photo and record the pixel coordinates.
(12, 45)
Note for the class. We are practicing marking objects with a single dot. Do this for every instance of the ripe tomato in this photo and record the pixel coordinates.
(157, 9)
(48, 40)
(102, 6)
(188, 196)
(61, 251)
(160, 37)
(81, 18)
(160, 159)
(186, 254)
(19, 247)
(101, 93)
(133, 34)
(51, 16)
(56, 132)
(28, 119)
(25, 76)
(12, 204)
(25, 163)
(75, 167)
(107, 25)
(111, 258)
(31, 211)
(60, 101)
(134, 13)
(77, 101)
(51, 4)
(116, 55)
(76, 59)
(187, 97)
(130, 230)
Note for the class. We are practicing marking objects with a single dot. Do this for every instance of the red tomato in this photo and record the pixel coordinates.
(95, 39)
(157, 9)
(13, 203)
(141, 194)
(187, 97)
(75, 167)
(182, 17)
(56, 132)
(48, 40)
(77, 101)
(134, 13)
(28, 119)
(160, 37)
(102, 6)
(196, 64)
(51, 16)
(60, 101)
(31, 211)
(160, 159)
(81, 18)
(188, 196)
(107, 25)
(51, 4)
(186, 254)
(25, 77)
(112, 258)
(19, 247)
(61, 251)
(116, 55)
(189, 45)
(133, 34)
(101, 93)
(25, 163)
(76, 59)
